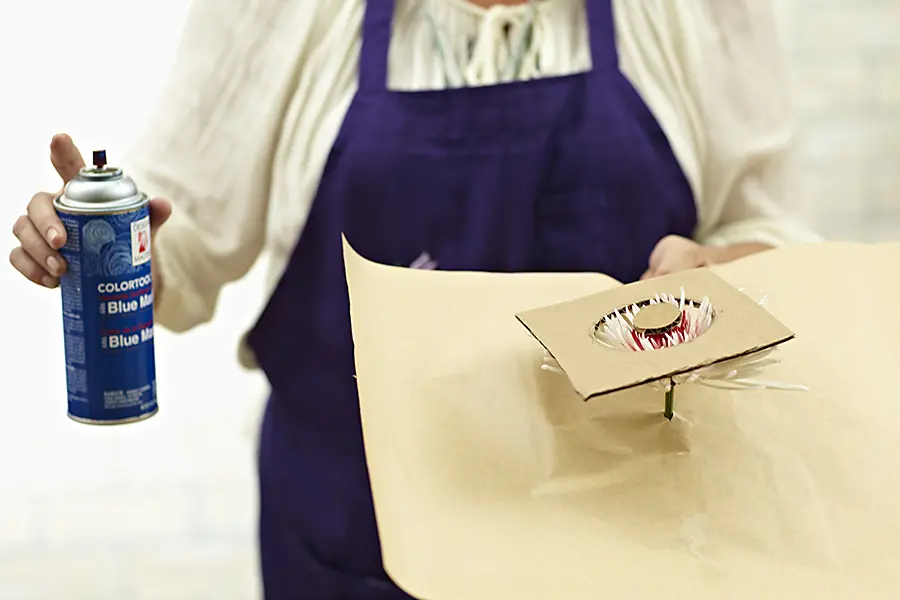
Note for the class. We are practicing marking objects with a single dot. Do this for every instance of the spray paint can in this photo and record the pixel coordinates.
(107, 297)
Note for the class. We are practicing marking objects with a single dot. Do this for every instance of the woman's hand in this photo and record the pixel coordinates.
(674, 253)
(39, 230)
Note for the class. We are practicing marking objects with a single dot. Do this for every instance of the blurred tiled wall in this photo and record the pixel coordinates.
(844, 60)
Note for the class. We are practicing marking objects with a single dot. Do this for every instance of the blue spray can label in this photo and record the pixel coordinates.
(107, 297)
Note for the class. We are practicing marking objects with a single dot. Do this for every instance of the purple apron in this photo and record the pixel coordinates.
(564, 174)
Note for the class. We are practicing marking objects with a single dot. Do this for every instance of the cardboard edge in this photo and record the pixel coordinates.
(693, 368)
(531, 333)
(622, 388)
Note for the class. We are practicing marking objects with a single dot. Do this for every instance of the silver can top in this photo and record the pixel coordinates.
(100, 188)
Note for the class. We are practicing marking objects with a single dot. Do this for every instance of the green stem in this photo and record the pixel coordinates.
(670, 402)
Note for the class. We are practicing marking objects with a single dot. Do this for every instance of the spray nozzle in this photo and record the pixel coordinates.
(99, 159)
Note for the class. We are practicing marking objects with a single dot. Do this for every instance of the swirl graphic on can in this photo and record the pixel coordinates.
(95, 234)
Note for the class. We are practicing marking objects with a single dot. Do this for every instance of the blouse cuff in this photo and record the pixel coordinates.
(179, 304)
(761, 231)
(773, 233)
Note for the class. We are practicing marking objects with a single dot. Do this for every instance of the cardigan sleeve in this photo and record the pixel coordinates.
(209, 144)
(735, 71)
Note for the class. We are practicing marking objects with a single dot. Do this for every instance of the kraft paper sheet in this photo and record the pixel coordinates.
(493, 480)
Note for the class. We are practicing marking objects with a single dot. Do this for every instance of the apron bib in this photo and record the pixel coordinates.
(562, 174)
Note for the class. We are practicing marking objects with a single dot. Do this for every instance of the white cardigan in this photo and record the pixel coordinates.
(243, 128)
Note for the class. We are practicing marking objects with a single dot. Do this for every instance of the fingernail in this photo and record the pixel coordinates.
(52, 234)
(48, 281)
(54, 265)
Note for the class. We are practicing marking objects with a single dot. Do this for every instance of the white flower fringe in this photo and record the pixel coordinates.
(616, 331)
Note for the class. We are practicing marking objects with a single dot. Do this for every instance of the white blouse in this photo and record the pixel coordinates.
(259, 89)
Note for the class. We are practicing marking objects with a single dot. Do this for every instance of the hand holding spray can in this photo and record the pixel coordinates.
(107, 297)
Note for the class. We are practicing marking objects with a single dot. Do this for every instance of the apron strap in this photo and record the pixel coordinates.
(602, 33)
(376, 42)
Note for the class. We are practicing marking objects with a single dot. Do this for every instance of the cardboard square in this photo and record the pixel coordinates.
(741, 327)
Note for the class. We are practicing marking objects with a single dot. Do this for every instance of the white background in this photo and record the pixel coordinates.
(157, 510)
(166, 509)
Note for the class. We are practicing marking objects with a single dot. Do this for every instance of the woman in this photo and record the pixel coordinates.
(630, 137)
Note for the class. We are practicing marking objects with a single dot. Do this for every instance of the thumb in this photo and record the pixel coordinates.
(160, 211)
(661, 251)
(65, 157)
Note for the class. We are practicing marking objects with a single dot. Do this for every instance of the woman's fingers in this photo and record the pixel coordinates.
(27, 266)
(40, 234)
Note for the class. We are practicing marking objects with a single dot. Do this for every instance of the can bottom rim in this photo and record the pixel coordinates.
(127, 421)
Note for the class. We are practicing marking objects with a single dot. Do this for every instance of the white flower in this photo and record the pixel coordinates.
(617, 331)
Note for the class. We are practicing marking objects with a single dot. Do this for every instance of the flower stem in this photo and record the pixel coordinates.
(670, 402)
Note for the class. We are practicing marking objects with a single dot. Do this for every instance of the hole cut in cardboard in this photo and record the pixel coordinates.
(741, 327)
(645, 326)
